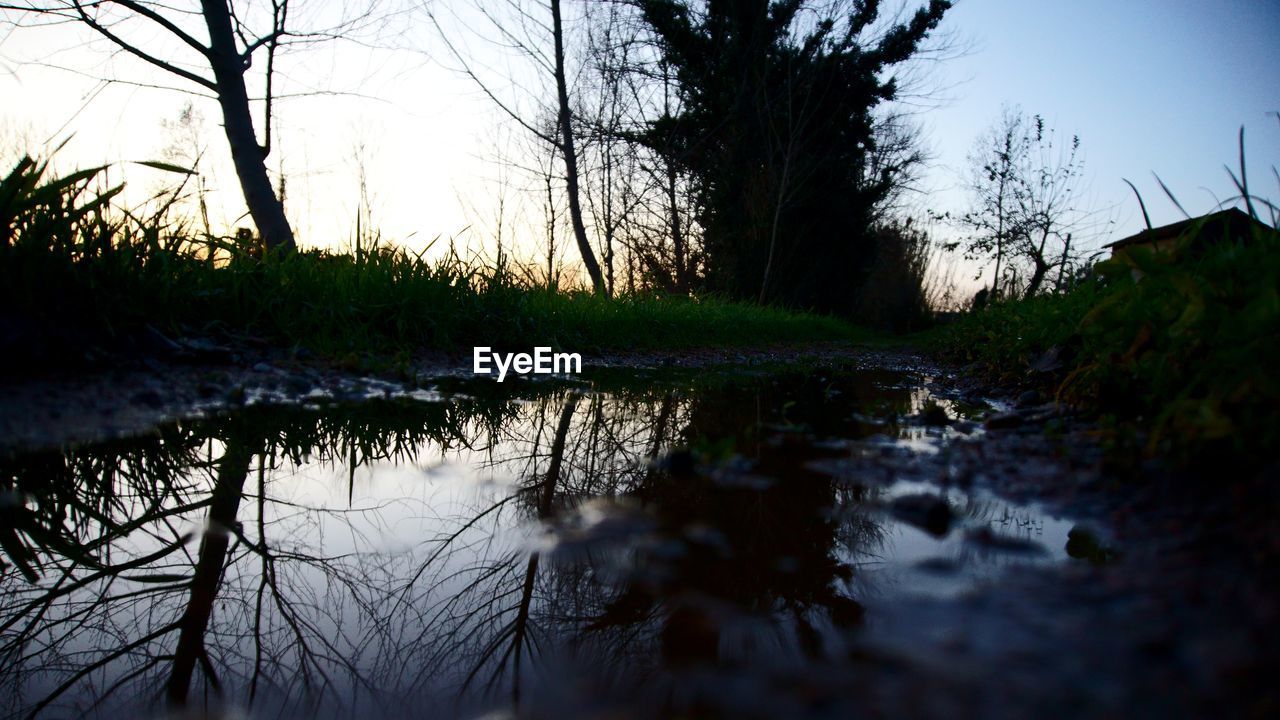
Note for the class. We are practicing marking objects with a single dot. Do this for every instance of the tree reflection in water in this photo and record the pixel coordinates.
(302, 562)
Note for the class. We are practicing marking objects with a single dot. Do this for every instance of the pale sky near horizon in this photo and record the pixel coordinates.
(1157, 86)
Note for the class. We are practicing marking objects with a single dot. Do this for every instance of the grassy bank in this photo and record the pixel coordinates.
(1178, 349)
(75, 275)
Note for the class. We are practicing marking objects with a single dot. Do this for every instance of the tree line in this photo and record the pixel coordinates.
(746, 148)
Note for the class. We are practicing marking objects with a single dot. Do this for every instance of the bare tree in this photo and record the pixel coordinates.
(677, 201)
(571, 157)
(212, 50)
(1047, 205)
(897, 156)
(607, 191)
(522, 29)
(625, 182)
(643, 202)
(1025, 188)
(995, 164)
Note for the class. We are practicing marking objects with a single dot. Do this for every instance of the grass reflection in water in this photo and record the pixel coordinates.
(555, 547)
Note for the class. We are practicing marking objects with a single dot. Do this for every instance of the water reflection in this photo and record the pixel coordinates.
(562, 551)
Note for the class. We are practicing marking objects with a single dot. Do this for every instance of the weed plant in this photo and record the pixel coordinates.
(1181, 344)
(1189, 342)
(77, 275)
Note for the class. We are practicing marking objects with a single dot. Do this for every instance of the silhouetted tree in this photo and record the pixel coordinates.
(893, 298)
(213, 49)
(609, 163)
(645, 200)
(1024, 186)
(777, 131)
(995, 163)
(524, 31)
(571, 156)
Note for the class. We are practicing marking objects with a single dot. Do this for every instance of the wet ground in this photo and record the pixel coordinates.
(857, 537)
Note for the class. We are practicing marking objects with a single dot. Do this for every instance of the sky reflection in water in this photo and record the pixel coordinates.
(552, 551)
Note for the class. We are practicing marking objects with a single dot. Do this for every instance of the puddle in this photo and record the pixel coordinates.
(555, 550)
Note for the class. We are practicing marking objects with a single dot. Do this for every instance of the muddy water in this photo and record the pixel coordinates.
(699, 546)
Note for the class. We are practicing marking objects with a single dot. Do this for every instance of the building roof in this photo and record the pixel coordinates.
(1229, 222)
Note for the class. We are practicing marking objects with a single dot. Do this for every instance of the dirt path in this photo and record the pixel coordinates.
(60, 407)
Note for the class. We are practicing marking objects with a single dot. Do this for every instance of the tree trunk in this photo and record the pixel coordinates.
(684, 283)
(571, 158)
(233, 468)
(1062, 262)
(249, 157)
(1042, 267)
(995, 282)
(1037, 277)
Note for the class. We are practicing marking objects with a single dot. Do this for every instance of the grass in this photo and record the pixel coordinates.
(76, 274)
(1175, 348)
(1180, 345)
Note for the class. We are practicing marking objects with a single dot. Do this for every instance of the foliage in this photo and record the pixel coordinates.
(75, 276)
(1003, 340)
(777, 131)
(1183, 343)
(1190, 341)
(893, 297)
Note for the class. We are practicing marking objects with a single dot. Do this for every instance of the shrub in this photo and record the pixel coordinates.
(1185, 348)
(1189, 342)
(893, 296)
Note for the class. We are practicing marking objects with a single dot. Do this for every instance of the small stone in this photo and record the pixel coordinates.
(1049, 361)
(934, 415)
(298, 385)
(153, 341)
(1001, 421)
(1084, 544)
(679, 463)
(205, 350)
(261, 368)
(1030, 398)
(927, 512)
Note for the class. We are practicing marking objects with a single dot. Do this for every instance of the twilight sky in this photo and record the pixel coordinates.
(1149, 86)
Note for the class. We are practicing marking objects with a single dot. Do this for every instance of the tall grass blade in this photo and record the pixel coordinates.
(1275, 210)
(1172, 197)
(1243, 182)
(1145, 217)
(74, 178)
(167, 167)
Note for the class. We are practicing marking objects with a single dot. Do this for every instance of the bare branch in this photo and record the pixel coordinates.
(102, 30)
(165, 23)
(484, 88)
